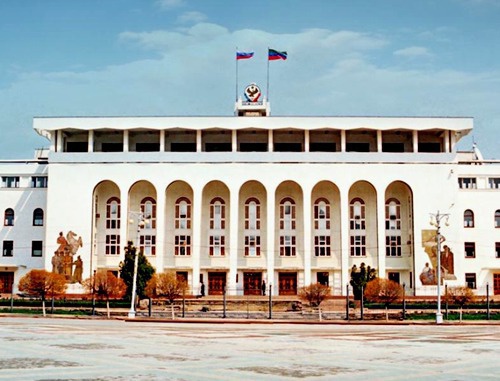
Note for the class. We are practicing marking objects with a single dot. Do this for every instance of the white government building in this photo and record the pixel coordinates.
(233, 201)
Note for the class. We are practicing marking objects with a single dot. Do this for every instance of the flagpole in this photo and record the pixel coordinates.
(236, 58)
(267, 89)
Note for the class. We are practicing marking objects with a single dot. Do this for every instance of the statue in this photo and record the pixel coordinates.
(62, 261)
(77, 274)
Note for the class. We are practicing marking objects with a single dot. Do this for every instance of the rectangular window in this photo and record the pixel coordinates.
(10, 181)
(182, 245)
(36, 248)
(497, 249)
(494, 183)
(467, 182)
(252, 246)
(393, 246)
(217, 245)
(39, 181)
(470, 280)
(358, 246)
(148, 244)
(287, 246)
(8, 248)
(470, 249)
(322, 246)
(112, 244)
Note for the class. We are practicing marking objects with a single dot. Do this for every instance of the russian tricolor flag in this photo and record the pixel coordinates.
(244, 55)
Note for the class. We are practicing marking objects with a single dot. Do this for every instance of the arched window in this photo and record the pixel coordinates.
(113, 213)
(497, 218)
(217, 214)
(468, 219)
(393, 228)
(38, 217)
(8, 219)
(357, 225)
(252, 227)
(322, 214)
(287, 226)
(183, 213)
(148, 209)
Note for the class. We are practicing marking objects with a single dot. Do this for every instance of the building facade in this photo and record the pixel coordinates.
(232, 202)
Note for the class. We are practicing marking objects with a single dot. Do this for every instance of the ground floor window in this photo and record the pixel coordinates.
(470, 280)
(8, 248)
(36, 248)
(287, 283)
(216, 283)
(6, 282)
(112, 244)
(182, 245)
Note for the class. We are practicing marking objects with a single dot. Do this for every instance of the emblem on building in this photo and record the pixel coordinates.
(252, 93)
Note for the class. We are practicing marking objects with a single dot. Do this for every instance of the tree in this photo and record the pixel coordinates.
(167, 285)
(105, 285)
(314, 294)
(42, 283)
(360, 277)
(460, 295)
(144, 270)
(384, 291)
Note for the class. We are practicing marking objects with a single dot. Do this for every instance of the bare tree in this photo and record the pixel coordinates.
(105, 285)
(460, 295)
(384, 291)
(42, 283)
(167, 285)
(314, 294)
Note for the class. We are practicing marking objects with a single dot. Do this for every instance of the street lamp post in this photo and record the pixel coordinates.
(436, 221)
(141, 221)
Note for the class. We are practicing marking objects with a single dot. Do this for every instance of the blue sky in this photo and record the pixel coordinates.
(177, 57)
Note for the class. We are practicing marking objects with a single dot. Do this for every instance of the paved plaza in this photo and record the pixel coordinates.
(84, 349)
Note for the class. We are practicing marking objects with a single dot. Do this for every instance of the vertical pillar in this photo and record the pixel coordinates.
(196, 239)
(160, 229)
(233, 241)
(453, 141)
(270, 141)
(270, 246)
(198, 141)
(125, 141)
(162, 140)
(306, 140)
(307, 236)
(446, 137)
(90, 147)
(59, 141)
(415, 141)
(381, 233)
(343, 142)
(379, 141)
(124, 221)
(234, 140)
(344, 237)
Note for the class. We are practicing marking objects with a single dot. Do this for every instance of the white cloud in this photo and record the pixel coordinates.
(192, 17)
(413, 52)
(170, 4)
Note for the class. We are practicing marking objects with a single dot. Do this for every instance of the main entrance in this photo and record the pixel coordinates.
(216, 283)
(6, 281)
(322, 278)
(288, 283)
(252, 283)
(496, 284)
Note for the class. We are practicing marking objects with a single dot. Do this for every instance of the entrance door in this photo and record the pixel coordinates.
(322, 278)
(252, 283)
(216, 283)
(394, 276)
(288, 283)
(496, 284)
(182, 276)
(6, 281)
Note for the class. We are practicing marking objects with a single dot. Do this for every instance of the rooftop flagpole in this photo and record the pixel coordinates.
(236, 59)
(267, 87)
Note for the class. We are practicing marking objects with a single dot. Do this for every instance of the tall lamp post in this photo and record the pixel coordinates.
(141, 222)
(436, 219)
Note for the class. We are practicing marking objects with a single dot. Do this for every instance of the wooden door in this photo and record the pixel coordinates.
(216, 283)
(6, 280)
(496, 284)
(252, 283)
(288, 283)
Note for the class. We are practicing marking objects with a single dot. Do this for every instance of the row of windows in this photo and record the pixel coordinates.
(470, 249)
(469, 218)
(36, 248)
(471, 183)
(14, 181)
(8, 217)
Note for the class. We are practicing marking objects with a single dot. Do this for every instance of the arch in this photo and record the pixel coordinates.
(38, 217)
(8, 219)
(252, 225)
(113, 213)
(468, 218)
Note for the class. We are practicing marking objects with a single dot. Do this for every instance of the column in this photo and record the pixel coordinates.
(379, 141)
(53, 141)
(446, 137)
(307, 236)
(306, 140)
(415, 141)
(90, 147)
(162, 140)
(125, 217)
(198, 141)
(270, 247)
(453, 141)
(343, 143)
(233, 241)
(381, 233)
(59, 142)
(125, 141)
(196, 240)
(234, 140)
(344, 237)
(270, 142)
(160, 230)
